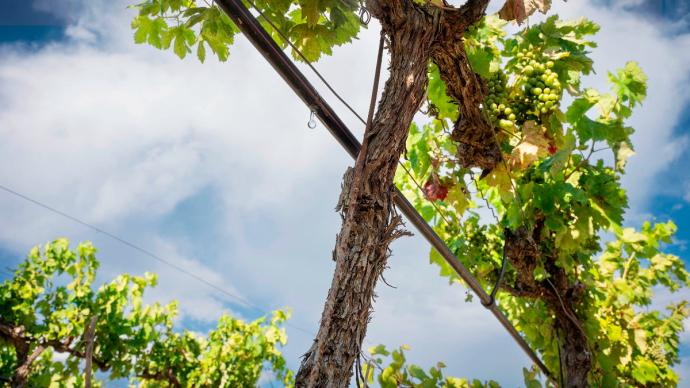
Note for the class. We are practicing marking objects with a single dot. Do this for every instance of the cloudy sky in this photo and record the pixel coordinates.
(212, 168)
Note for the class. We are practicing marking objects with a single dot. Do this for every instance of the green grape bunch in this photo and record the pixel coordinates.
(542, 91)
(534, 93)
(498, 102)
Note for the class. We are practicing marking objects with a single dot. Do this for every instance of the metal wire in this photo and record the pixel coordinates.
(340, 98)
(286, 68)
(304, 58)
(364, 12)
(148, 253)
(499, 279)
(497, 285)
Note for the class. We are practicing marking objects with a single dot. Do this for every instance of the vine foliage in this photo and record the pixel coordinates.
(46, 306)
(555, 195)
(516, 133)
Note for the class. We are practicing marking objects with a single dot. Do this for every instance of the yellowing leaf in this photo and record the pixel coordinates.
(519, 10)
(622, 151)
(499, 179)
(533, 146)
(641, 340)
(458, 198)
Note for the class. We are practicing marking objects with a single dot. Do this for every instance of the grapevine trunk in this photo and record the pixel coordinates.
(369, 222)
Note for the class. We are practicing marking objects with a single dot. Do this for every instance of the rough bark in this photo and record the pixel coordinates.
(22, 348)
(369, 222)
(472, 131)
(478, 147)
(21, 374)
(560, 296)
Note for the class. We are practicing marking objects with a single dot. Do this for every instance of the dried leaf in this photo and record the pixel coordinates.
(534, 145)
(520, 10)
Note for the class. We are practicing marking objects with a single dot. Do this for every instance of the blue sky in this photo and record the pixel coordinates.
(213, 168)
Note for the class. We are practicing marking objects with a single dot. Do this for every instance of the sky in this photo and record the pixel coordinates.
(212, 167)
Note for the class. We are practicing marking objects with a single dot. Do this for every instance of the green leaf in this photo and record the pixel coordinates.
(630, 84)
(311, 11)
(579, 107)
(417, 372)
(201, 52)
(644, 371)
(480, 59)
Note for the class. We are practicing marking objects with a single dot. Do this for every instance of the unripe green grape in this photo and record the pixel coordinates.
(505, 124)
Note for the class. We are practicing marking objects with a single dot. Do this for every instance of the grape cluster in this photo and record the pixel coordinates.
(498, 104)
(535, 91)
(542, 89)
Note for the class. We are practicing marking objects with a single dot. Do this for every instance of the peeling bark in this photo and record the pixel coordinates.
(369, 222)
(472, 131)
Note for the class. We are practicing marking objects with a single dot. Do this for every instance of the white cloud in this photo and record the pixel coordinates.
(122, 135)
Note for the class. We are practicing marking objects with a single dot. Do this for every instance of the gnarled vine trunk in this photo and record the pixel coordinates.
(473, 133)
(478, 147)
(560, 296)
(369, 223)
(25, 356)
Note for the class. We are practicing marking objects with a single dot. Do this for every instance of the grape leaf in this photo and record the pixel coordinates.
(520, 10)
(532, 146)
